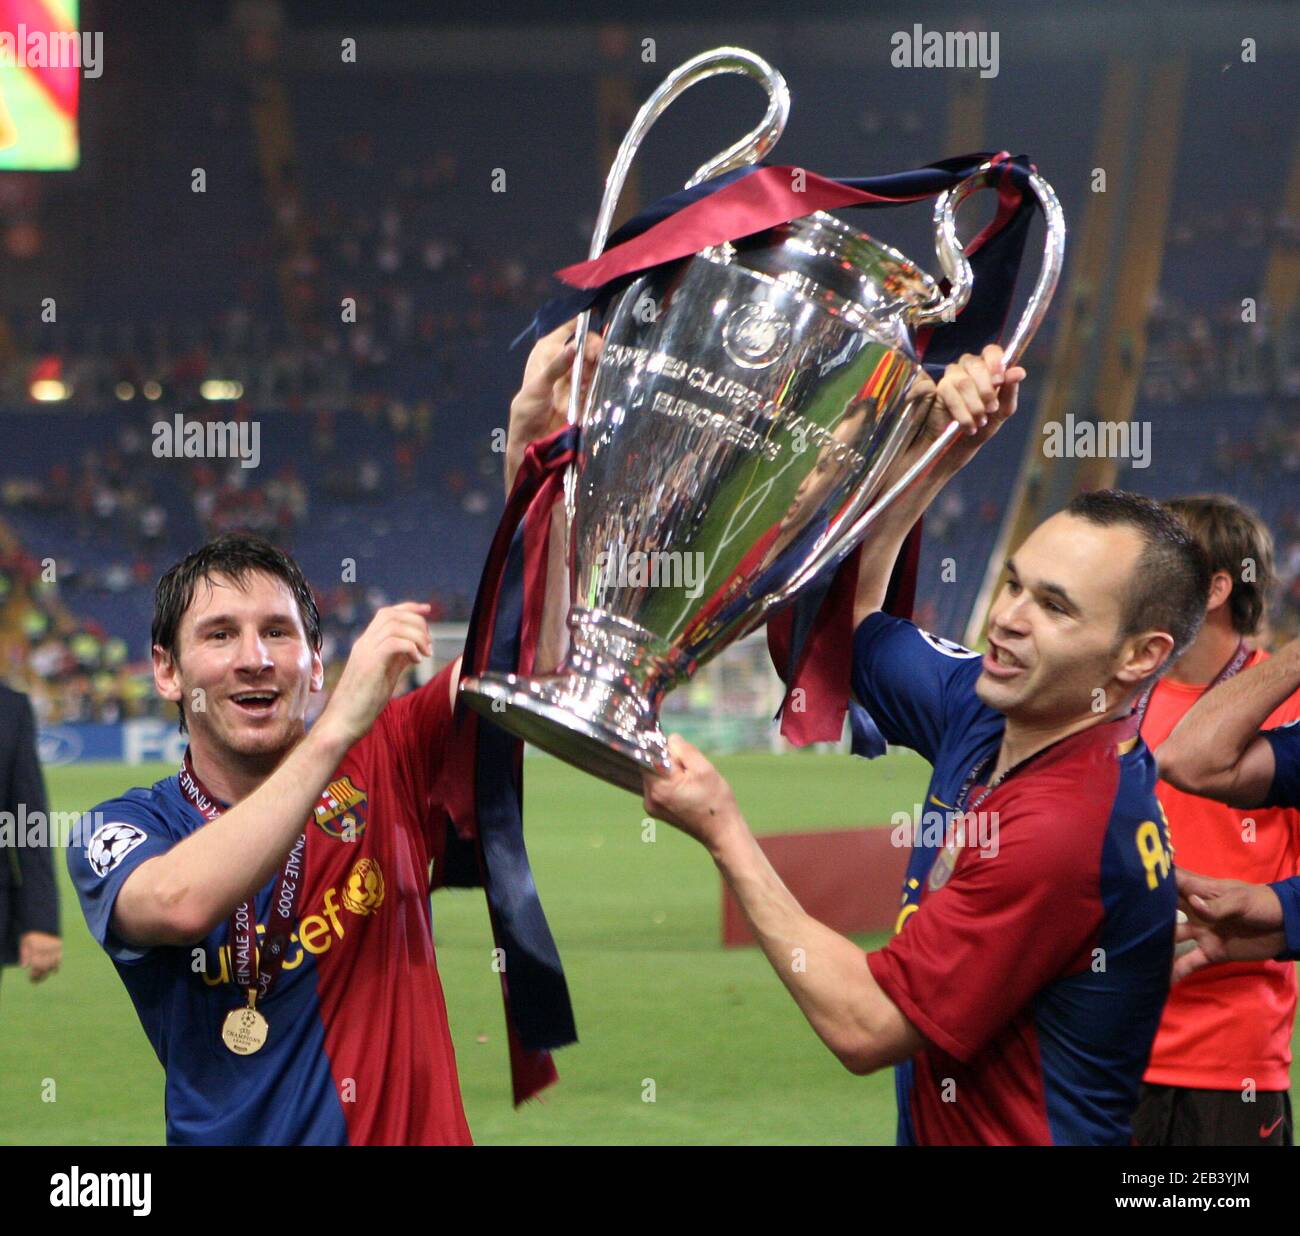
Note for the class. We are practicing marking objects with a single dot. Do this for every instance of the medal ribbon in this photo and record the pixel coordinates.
(250, 975)
(1236, 663)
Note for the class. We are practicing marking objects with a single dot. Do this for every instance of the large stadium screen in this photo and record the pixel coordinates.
(40, 70)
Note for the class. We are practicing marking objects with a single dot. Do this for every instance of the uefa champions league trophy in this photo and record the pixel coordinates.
(748, 404)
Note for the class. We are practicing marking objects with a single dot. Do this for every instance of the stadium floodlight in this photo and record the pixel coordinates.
(215, 389)
(49, 390)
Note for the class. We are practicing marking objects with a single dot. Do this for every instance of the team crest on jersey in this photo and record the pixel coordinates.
(364, 891)
(342, 813)
(942, 868)
(110, 844)
(949, 648)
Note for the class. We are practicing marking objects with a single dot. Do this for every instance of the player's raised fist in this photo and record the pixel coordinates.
(397, 637)
(692, 795)
(542, 403)
(979, 393)
(564, 382)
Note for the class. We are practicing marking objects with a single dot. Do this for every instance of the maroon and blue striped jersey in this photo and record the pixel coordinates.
(359, 1051)
(1035, 938)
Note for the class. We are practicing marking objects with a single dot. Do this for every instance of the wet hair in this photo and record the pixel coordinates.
(236, 555)
(1171, 581)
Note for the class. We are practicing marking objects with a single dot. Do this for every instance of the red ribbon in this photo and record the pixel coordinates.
(765, 198)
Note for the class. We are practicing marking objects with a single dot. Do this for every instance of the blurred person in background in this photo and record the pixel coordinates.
(1226, 748)
(1220, 1066)
(29, 897)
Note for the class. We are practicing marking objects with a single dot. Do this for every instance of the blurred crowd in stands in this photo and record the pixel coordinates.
(1192, 353)
(1266, 460)
(374, 290)
(114, 504)
(76, 670)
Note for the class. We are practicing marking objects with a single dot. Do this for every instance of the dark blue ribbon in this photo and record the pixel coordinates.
(539, 995)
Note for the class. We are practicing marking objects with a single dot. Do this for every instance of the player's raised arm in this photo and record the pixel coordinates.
(979, 393)
(540, 408)
(541, 404)
(825, 972)
(178, 897)
(1217, 751)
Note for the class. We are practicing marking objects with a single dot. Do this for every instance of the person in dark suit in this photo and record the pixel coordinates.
(29, 897)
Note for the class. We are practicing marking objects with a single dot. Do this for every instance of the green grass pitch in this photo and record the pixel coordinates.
(638, 924)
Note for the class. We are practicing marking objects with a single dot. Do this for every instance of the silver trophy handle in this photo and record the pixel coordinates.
(749, 149)
(952, 257)
(955, 266)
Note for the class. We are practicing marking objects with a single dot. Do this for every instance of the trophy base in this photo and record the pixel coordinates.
(587, 723)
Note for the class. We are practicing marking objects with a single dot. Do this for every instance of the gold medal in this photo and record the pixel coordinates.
(944, 863)
(244, 1031)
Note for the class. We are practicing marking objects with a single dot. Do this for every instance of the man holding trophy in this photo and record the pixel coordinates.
(1022, 992)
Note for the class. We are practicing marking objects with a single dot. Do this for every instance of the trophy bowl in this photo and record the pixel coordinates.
(748, 405)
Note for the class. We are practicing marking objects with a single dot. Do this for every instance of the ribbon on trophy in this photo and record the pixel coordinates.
(483, 775)
(810, 640)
